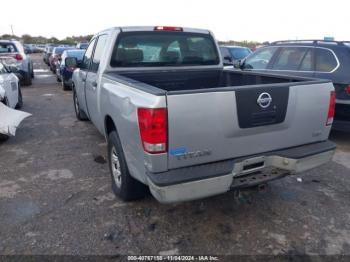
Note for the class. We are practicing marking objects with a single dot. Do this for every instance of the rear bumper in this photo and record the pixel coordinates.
(201, 181)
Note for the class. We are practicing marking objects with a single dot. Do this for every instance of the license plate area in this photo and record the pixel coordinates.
(250, 165)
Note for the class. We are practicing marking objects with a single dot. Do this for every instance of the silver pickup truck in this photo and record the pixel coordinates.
(179, 123)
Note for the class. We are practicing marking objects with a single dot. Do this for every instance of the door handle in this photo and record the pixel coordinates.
(94, 84)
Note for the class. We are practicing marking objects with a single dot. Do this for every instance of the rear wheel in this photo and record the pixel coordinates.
(123, 184)
(27, 80)
(20, 98)
(32, 72)
(3, 137)
(80, 114)
(65, 86)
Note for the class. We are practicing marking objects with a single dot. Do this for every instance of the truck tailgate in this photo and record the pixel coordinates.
(217, 124)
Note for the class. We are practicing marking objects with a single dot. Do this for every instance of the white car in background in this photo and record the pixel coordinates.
(10, 90)
(14, 49)
(10, 99)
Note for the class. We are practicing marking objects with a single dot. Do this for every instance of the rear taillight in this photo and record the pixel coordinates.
(331, 109)
(153, 125)
(168, 28)
(18, 57)
(347, 90)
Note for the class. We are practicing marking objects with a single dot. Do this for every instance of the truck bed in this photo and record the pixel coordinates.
(179, 80)
(214, 113)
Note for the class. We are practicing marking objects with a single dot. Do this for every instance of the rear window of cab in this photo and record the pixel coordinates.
(151, 49)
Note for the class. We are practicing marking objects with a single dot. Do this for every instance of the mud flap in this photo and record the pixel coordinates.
(10, 119)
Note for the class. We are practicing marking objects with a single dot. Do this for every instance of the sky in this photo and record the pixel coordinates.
(253, 20)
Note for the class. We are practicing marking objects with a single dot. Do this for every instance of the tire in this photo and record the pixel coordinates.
(27, 80)
(20, 98)
(80, 114)
(123, 184)
(3, 137)
(65, 87)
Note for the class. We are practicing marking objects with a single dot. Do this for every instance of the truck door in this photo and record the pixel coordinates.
(82, 75)
(92, 81)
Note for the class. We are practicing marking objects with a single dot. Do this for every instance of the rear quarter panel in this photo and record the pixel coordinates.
(120, 102)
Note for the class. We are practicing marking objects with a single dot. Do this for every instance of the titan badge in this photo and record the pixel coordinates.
(182, 154)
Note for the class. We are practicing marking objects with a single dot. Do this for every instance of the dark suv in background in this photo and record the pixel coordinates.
(309, 58)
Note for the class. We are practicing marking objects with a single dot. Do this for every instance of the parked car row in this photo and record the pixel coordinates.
(33, 48)
(64, 69)
(55, 57)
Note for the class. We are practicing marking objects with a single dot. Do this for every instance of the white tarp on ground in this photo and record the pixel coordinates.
(10, 119)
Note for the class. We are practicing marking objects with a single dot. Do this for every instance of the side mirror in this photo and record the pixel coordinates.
(71, 62)
(227, 60)
(237, 64)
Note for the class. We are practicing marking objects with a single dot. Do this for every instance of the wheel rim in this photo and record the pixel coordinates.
(116, 171)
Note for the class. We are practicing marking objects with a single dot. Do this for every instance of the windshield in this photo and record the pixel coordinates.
(239, 52)
(260, 58)
(83, 45)
(77, 54)
(164, 49)
(60, 50)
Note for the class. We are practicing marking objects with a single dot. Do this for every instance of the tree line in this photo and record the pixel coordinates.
(250, 44)
(28, 39)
